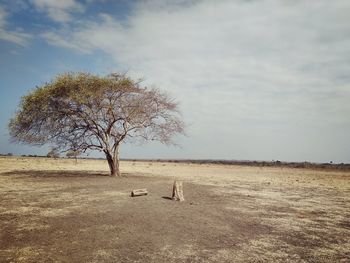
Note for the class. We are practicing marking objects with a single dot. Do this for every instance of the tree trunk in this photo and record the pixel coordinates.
(178, 194)
(139, 192)
(113, 162)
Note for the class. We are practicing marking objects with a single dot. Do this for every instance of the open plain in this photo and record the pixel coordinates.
(63, 211)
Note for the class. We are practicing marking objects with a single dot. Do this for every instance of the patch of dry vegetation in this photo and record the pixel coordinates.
(57, 210)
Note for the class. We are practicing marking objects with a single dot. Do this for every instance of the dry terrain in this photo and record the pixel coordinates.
(60, 211)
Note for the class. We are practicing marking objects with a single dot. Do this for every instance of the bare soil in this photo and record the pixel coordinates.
(60, 211)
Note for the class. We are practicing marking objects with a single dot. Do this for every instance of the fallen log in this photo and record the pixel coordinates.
(178, 194)
(139, 192)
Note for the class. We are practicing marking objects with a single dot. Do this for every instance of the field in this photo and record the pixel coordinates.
(62, 211)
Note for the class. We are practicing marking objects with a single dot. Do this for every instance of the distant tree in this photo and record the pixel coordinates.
(73, 154)
(53, 153)
(81, 111)
(9, 154)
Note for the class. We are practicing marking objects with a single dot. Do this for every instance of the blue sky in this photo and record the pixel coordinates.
(262, 80)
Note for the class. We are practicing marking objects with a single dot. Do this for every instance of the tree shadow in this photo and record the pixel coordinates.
(55, 173)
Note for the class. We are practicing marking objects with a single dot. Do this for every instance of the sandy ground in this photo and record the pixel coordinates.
(62, 211)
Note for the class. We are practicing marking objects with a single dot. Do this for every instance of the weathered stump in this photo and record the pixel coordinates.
(177, 194)
(139, 192)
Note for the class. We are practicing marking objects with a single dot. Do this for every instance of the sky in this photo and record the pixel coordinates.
(255, 79)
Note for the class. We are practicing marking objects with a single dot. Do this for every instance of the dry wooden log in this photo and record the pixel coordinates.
(178, 194)
(139, 192)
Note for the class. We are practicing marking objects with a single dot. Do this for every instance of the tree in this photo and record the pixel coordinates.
(53, 153)
(73, 154)
(81, 111)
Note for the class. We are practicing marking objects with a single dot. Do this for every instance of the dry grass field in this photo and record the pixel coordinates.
(60, 211)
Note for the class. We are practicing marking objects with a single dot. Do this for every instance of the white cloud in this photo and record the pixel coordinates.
(2, 17)
(15, 36)
(243, 66)
(59, 11)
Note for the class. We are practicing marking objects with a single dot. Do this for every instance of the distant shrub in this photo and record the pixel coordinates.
(53, 153)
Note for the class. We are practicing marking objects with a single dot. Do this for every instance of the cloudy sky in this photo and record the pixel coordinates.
(256, 80)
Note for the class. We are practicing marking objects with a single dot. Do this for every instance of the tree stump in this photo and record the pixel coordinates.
(177, 194)
(139, 192)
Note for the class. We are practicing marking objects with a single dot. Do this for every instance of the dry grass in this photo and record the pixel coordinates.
(60, 211)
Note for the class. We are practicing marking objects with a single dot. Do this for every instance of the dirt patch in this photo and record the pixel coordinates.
(60, 215)
(96, 219)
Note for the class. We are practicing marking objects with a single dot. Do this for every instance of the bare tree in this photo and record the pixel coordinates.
(81, 111)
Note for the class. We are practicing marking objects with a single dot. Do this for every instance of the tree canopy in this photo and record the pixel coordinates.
(82, 111)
